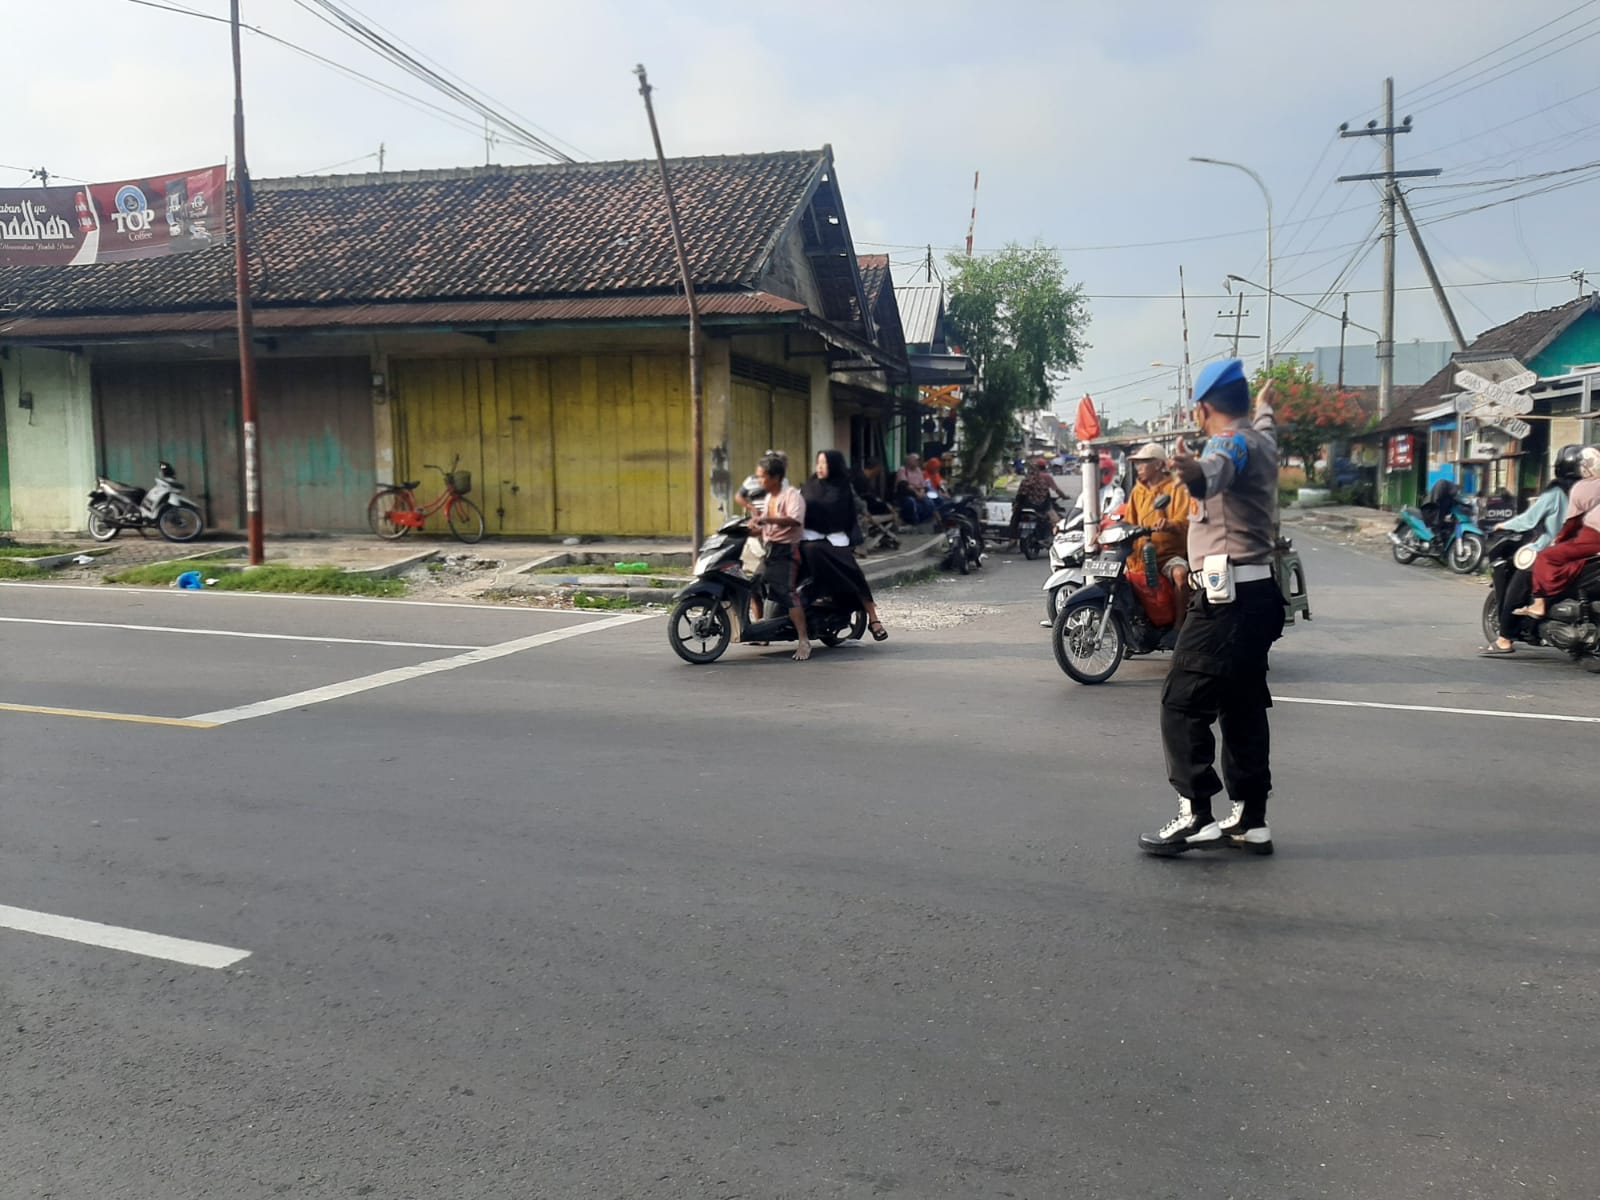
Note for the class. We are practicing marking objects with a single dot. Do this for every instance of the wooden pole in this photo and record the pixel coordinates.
(697, 395)
(247, 357)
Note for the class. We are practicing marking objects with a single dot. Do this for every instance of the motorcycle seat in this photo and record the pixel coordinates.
(123, 489)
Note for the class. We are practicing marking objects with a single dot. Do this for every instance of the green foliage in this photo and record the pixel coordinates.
(1310, 415)
(17, 570)
(13, 550)
(1023, 324)
(589, 600)
(275, 577)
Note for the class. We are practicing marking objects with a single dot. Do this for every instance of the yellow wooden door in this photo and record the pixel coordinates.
(592, 444)
(766, 418)
(791, 432)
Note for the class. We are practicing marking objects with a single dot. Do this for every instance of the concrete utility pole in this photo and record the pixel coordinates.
(1390, 193)
(1238, 314)
(247, 349)
(1579, 278)
(697, 392)
(1433, 276)
(1344, 324)
(43, 177)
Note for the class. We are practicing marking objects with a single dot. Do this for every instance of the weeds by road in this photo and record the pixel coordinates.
(275, 577)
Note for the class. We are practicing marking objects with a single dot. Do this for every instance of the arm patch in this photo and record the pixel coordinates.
(1232, 447)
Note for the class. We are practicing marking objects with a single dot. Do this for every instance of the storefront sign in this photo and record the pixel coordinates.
(110, 222)
(1402, 452)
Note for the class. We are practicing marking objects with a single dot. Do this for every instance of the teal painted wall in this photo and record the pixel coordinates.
(50, 449)
(1578, 346)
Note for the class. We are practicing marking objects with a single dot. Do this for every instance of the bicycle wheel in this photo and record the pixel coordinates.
(466, 520)
(378, 511)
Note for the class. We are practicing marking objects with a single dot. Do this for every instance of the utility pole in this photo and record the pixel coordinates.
(1344, 323)
(930, 262)
(1578, 277)
(1238, 314)
(43, 177)
(247, 350)
(1388, 175)
(697, 395)
(1433, 276)
(381, 151)
(972, 225)
(1183, 305)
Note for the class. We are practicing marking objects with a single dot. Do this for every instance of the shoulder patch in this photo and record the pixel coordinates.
(1233, 447)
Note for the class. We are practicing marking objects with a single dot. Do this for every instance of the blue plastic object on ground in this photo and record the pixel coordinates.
(191, 581)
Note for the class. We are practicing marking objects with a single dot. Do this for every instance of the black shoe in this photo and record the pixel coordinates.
(1184, 832)
(1254, 839)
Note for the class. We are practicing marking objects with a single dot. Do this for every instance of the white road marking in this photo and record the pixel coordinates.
(366, 683)
(208, 596)
(113, 937)
(1431, 708)
(239, 633)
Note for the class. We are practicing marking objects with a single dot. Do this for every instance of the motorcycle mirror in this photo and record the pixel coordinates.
(1163, 502)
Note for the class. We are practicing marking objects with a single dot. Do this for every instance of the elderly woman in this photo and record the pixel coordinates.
(831, 530)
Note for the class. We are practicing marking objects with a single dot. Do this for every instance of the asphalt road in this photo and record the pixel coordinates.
(576, 919)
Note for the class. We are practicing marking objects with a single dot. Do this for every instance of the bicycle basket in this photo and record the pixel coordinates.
(461, 481)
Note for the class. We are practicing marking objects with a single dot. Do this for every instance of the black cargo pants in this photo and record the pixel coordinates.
(1219, 674)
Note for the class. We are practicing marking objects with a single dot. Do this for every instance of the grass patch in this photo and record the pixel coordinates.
(16, 570)
(274, 577)
(608, 569)
(15, 551)
(585, 600)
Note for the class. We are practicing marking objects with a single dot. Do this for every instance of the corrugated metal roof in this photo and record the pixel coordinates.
(368, 316)
(920, 306)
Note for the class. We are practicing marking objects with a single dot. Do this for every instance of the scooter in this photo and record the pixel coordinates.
(1572, 623)
(1108, 620)
(1414, 538)
(712, 612)
(962, 525)
(115, 506)
(1066, 564)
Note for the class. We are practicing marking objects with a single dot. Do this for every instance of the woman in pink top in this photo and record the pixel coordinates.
(1579, 541)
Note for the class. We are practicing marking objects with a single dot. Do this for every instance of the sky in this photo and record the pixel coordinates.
(1080, 116)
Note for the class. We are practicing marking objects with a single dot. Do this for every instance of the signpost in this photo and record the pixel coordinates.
(1498, 403)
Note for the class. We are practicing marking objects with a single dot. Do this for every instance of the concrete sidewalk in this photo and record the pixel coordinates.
(1362, 524)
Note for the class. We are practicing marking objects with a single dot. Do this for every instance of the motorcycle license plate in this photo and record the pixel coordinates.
(1103, 568)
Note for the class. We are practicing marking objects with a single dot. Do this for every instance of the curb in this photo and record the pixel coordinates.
(394, 569)
(52, 562)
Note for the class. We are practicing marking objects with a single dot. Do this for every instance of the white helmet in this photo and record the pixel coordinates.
(1591, 462)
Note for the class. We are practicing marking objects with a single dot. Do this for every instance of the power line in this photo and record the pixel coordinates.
(1407, 96)
(363, 34)
(1454, 93)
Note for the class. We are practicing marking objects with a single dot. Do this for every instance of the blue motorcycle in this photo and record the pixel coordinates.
(1461, 548)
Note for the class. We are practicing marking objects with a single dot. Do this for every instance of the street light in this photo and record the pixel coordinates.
(1222, 162)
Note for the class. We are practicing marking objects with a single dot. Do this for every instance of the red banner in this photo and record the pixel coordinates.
(111, 222)
(1087, 427)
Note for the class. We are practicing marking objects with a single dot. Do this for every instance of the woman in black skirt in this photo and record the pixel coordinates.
(831, 532)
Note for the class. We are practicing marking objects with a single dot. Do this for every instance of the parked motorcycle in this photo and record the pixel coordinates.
(961, 522)
(1572, 623)
(712, 612)
(115, 506)
(1461, 551)
(1106, 621)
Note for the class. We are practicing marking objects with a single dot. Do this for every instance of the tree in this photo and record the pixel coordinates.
(1310, 414)
(1016, 316)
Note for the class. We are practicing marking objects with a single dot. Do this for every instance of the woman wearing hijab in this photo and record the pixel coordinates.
(831, 530)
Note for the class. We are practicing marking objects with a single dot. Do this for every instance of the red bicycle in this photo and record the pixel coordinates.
(393, 512)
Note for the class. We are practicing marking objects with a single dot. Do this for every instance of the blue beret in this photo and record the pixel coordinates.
(1216, 375)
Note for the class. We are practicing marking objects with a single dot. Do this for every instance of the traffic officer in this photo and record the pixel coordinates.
(1219, 669)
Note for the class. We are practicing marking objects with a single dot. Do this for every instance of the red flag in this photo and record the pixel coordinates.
(1088, 426)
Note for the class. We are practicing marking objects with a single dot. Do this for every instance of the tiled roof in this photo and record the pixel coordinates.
(492, 233)
(874, 271)
(1522, 339)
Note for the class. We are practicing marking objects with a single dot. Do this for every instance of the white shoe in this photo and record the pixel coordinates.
(1257, 840)
(1183, 832)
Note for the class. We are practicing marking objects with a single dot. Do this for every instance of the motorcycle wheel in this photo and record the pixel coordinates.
(1403, 553)
(963, 557)
(1466, 554)
(1069, 638)
(1052, 603)
(101, 527)
(179, 523)
(838, 635)
(699, 630)
(1491, 619)
(1030, 546)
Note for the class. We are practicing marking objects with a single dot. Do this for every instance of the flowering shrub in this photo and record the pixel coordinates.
(1310, 414)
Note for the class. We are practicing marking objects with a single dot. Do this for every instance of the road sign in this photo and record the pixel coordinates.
(1497, 403)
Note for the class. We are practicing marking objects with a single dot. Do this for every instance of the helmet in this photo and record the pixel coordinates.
(1108, 468)
(1569, 462)
(1590, 462)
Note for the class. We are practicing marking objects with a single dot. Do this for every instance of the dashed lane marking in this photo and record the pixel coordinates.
(239, 633)
(114, 937)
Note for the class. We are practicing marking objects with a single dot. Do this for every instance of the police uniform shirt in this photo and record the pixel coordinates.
(1235, 508)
